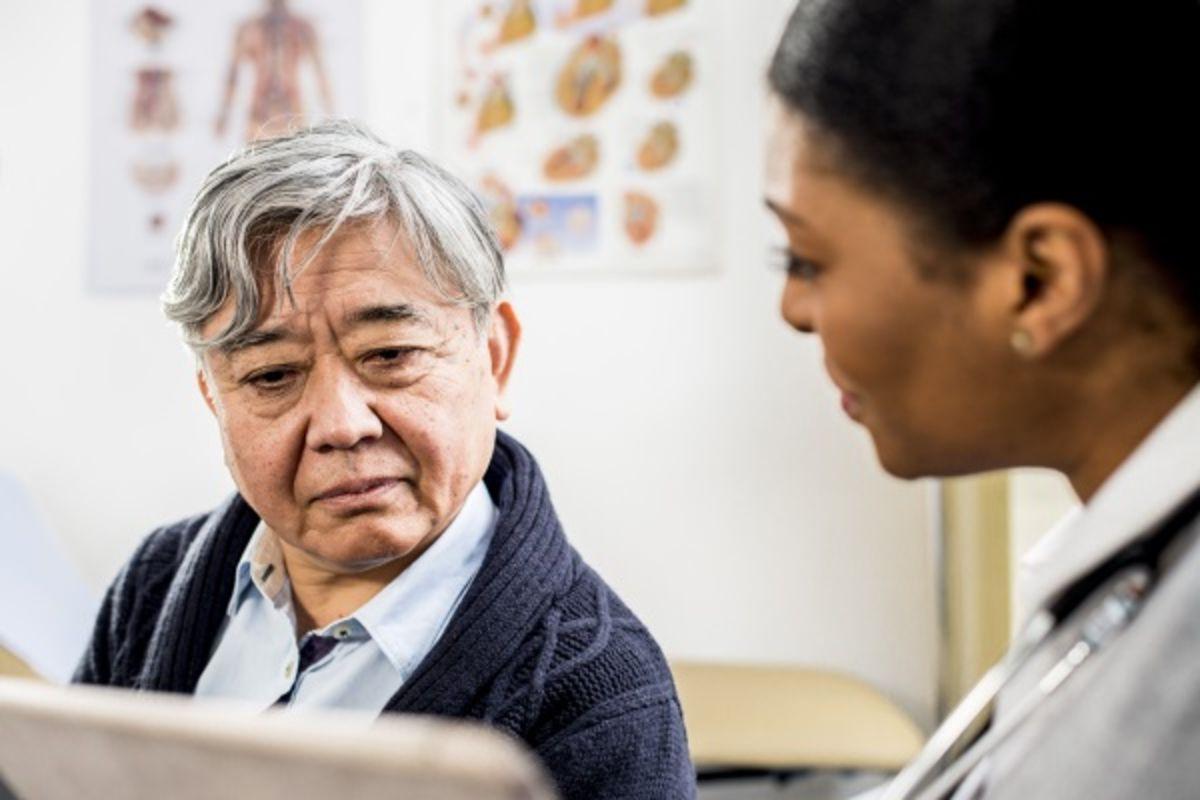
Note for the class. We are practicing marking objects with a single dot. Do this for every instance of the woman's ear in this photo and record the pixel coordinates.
(504, 338)
(1061, 260)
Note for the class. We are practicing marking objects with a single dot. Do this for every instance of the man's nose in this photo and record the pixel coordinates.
(340, 412)
(796, 305)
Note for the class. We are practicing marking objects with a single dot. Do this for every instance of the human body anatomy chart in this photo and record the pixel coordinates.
(586, 127)
(177, 87)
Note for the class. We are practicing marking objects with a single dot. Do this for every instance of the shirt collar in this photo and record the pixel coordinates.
(409, 615)
(261, 566)
(1144, 490)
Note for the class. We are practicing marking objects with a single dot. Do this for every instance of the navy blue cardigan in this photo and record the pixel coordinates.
(540, 647)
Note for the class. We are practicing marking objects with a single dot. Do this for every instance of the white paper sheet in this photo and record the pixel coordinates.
(46, 610)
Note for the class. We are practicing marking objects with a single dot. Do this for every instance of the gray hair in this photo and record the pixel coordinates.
(255, 206)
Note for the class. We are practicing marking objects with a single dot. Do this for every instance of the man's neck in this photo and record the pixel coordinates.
(321, 595)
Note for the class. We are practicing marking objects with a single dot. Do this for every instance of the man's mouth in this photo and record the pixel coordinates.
(359, 489)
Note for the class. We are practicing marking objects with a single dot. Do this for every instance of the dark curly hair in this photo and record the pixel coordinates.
(965, 111)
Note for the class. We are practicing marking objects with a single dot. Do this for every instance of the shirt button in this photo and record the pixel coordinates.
(341, 632)
(289, 670)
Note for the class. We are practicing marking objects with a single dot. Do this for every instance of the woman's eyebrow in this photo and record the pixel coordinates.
(787, 216)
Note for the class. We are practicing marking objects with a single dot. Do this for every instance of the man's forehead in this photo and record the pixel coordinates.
(294, 322)
(363, 275)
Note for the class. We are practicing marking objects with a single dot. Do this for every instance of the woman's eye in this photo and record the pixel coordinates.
(802, 268)
(797, 266)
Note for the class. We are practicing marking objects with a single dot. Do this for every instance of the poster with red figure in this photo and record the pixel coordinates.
(177, 87)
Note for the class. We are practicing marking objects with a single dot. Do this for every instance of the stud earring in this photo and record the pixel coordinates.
(1022, 342)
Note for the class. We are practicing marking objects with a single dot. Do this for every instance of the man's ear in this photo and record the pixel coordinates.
(205, 391)
(504, 338)
(1061, 260)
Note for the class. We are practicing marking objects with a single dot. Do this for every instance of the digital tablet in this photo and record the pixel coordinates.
(68, 743)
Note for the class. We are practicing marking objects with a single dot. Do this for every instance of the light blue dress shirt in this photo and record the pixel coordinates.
(257, 655)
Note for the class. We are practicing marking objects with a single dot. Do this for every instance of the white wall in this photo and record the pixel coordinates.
(695, 451)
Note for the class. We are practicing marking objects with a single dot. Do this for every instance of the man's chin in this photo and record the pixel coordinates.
(359, 546)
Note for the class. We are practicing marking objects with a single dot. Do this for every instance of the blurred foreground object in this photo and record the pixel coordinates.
(75, 742)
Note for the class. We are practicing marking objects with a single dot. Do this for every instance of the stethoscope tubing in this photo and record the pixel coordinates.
(1129, 576)
(1116, 612)
(950, 734)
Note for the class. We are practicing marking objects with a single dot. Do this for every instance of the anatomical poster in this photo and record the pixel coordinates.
(177, 87)
(586, 128)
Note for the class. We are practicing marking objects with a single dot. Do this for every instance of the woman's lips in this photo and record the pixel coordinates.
(851, 405)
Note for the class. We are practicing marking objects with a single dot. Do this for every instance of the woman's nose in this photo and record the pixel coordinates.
(796, 305)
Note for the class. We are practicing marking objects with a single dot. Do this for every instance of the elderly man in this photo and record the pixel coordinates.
(387, 549)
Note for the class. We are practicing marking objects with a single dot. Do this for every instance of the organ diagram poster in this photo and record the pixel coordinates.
(177, 87)
(586, 128)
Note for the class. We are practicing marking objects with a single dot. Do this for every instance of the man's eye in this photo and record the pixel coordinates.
(272, 379)
(390, 356)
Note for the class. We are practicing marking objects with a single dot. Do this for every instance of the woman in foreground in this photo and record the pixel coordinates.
(989, 208)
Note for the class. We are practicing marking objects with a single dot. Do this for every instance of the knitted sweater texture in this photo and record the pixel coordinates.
(540, 646)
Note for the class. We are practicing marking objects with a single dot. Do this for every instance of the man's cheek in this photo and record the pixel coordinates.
(261, 460)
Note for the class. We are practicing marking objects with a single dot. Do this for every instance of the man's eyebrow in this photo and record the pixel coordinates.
(399, 312)
(787, 216)
(255, 338)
